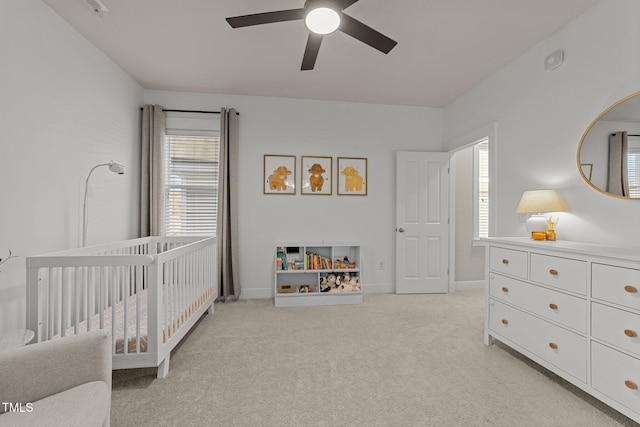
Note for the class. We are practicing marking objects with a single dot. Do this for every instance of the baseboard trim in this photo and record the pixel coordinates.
(256, 293)
(378, 288)
(468, 284)
(385, 288)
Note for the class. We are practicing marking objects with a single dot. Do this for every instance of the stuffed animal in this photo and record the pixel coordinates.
(331, 281)
(278, 179)
(355, 286)
(324, 284)
(352, 181)
(316, 180)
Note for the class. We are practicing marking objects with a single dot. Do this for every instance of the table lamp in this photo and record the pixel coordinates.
(537, 202)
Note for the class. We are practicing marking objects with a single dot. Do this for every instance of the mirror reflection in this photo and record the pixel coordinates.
(609, 152)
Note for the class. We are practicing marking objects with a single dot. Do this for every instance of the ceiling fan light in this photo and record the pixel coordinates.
(322, 20)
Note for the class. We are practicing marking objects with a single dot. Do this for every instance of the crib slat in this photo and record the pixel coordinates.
(76, 300)
(50, 302)
(139, 280)
(101, 291)
(167, 311)
(63, 301)
(114, 290)
(125, 317)
(91, 297)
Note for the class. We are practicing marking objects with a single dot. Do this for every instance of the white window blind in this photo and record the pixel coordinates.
(633, 166)
(191, 175)
(481, 203)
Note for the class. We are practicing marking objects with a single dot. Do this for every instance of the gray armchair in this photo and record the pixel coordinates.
(65, 382)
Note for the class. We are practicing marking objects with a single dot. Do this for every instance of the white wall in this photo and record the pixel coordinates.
(541, 116)
(317, 128)
(469, 259)
(64, 108)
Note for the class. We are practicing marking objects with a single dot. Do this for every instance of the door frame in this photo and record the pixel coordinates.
(489, 131)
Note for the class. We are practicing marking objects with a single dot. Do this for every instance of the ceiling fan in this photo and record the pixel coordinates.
(321, 17)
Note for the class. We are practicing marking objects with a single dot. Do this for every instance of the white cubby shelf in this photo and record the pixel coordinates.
(304, 273)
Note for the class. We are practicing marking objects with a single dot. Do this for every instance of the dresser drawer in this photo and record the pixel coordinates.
(558, 346)
(615, 374)
(616, 284)
(617, 327)
(508, 261)
(566, 309)
(561, 273)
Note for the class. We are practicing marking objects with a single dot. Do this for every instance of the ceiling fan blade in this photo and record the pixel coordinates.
(311, 51)
(266, 18)
(346, 3)
(366, 34)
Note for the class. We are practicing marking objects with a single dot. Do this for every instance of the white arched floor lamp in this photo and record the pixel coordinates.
(113, 167)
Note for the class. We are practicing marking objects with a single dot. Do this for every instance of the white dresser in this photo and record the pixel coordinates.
(574, 308)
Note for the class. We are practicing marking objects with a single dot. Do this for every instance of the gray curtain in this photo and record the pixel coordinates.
(227, 219)
(152, 171)
(618, 182)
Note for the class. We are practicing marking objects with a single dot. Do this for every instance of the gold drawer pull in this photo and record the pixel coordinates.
(553, 272)
(505, 261)
(631, 289)
(630, 333)
(505, 289)
(553, 345)
(553, 306)
(631, 384)
(505, 322)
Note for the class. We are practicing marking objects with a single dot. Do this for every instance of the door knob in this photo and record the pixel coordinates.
(401, 230)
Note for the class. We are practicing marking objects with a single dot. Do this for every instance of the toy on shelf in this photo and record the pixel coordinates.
(343, 264)
(324, 284)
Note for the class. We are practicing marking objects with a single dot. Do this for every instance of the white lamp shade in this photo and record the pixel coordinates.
(116, 168)
(322, 20)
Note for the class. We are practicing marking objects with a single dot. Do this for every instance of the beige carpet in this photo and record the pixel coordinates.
(393, 361)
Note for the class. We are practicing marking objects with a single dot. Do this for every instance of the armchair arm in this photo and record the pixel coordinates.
(35, 371)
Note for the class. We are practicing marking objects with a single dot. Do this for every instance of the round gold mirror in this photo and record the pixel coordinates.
(609, 151)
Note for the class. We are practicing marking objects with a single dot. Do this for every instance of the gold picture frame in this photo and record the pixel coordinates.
(279, 174)
(316, 175)
(587, 170)
(352, 176)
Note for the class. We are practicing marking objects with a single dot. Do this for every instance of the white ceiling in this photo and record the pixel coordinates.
(445, 47)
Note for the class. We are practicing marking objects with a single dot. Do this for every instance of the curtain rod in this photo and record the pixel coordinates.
(191, 111)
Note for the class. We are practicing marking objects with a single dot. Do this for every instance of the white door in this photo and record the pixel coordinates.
(422, 222)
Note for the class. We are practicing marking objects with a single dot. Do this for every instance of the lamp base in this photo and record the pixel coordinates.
(536, 222)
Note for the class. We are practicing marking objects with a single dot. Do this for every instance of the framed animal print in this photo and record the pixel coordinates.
(352, 176)
(279, 174)
(316, 175)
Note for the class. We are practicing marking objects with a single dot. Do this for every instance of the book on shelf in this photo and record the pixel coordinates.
(281, 261)
(316, 262)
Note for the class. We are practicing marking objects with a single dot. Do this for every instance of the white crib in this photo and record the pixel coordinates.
(148, 291)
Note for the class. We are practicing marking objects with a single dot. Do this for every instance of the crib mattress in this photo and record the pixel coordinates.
(133, 333)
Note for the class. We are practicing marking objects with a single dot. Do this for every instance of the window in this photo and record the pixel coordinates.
(481, 188)
(633, 166)
(191, 179)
